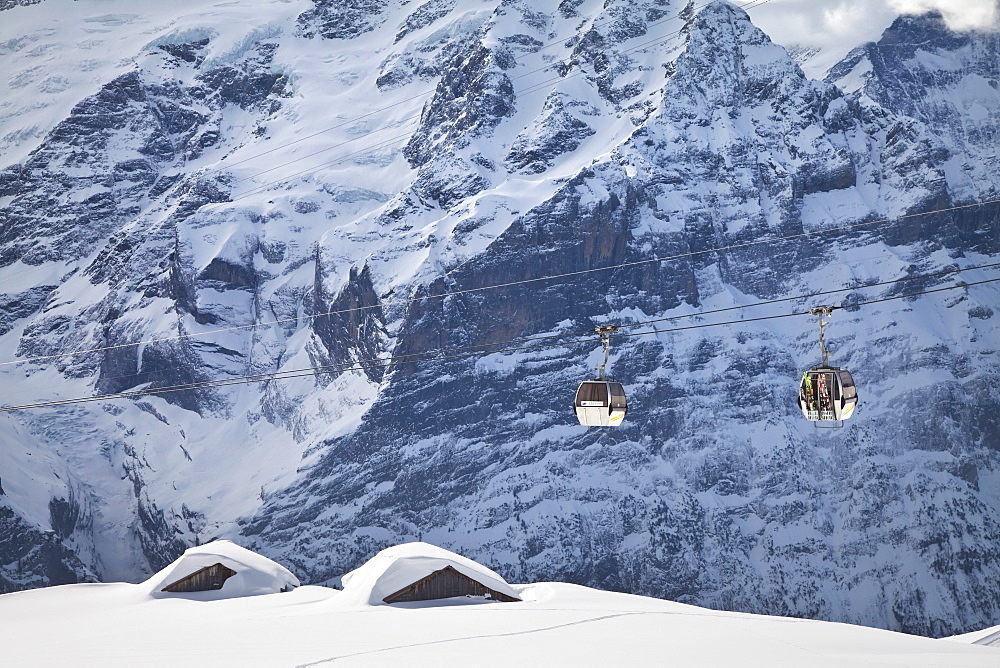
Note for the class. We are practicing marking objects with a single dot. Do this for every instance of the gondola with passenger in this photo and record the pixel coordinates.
(827, 394)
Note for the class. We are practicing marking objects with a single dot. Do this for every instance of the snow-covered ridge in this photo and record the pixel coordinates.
(958, 79)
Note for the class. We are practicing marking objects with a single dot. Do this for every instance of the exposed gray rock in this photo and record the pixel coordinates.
(10, 4)
(341, 19)
(557, 131)
(30, 558)
(351, 327)
(425, 15)
(474, 95)
(947, 80)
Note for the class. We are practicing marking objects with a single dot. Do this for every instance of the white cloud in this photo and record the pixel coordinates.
(958, 14)
(840, 25)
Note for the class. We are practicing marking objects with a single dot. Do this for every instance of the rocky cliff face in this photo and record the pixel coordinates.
(281, 200)
(948, 81)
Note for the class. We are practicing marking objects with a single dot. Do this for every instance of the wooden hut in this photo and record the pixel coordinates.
(422, 572)
(446, 583)
(220, 570)
(209, 578)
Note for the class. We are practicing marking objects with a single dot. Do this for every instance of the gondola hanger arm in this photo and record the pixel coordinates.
(828, 312)
(605, 332)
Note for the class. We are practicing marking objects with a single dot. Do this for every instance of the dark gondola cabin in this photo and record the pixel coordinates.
(827, 394)
(600, 403)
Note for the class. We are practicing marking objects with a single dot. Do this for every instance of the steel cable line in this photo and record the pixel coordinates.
(531, 89)
(265, 187)
(389, 362)
(912, 294)
(315, 371)
(799, 313)
(749, 5)
(813, 294)
(753, 4)
(587, 332)
(316, 134)
(678, 256)
(285, 375)
(30, 270)
(658, 259)
(601, 22)
(391, 126)
(406, 300)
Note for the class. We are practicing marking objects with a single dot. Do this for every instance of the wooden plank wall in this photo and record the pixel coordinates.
(445, 583)
(209, 578)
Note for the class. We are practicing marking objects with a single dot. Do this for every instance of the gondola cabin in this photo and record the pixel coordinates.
(600, 403)
(827, 394)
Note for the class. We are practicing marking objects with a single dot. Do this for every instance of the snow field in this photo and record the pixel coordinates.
(557, 624)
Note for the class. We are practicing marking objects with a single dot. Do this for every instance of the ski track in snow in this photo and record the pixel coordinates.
(383, 650)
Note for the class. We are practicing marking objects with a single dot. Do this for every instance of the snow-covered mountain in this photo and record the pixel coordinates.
(208, 192)
(947, 80)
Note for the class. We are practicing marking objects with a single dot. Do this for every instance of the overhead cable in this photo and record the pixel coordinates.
(627, 325)
(526, 281)
(749, 5)
(389, 362)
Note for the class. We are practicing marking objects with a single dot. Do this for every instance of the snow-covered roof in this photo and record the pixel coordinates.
(399, 566)
(255, 574)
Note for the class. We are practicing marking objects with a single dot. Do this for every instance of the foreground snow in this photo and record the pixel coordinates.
(556, 624)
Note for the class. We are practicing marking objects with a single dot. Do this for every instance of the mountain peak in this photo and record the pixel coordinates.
(947, 80)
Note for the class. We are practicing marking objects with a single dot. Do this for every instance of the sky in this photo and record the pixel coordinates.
(840, 25)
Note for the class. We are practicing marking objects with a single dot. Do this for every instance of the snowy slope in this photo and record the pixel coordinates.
(187, 185)
(988, 637)
(556, 624)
